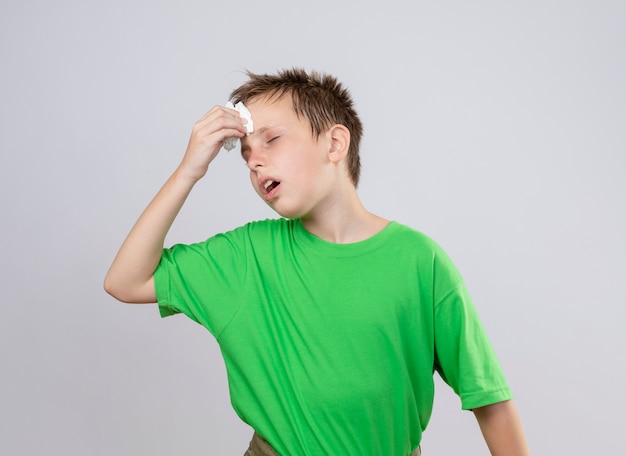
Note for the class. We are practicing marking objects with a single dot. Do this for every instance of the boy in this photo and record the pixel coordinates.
(331, 319)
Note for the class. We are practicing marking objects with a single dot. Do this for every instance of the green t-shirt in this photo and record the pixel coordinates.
(330, 348)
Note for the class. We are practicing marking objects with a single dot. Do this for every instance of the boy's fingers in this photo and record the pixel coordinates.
(223, 125)
(221, 110)
(225, 116)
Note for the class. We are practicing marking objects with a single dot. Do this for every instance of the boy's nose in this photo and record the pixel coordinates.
(256, 158)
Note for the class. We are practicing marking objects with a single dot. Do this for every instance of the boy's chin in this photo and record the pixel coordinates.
(288, 213)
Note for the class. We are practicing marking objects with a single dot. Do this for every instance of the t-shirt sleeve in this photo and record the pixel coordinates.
(203, 280)
(465, 358)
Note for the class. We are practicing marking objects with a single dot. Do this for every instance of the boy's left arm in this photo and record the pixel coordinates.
(502, 429)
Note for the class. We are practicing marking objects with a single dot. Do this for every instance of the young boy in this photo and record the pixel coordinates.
(331, 319)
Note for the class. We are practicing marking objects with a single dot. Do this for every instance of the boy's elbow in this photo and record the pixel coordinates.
(141, 294)
(111, 288)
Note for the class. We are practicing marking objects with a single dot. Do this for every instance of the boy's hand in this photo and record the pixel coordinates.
(207, 138)
(131, 276)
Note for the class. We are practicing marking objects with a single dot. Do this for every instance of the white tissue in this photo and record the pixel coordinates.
(230, 143)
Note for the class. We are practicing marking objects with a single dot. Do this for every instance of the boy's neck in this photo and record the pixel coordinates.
(344, 222)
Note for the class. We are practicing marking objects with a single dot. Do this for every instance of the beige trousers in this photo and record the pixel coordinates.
(259, 447)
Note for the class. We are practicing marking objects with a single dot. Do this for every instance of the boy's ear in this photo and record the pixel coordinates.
(339, 143)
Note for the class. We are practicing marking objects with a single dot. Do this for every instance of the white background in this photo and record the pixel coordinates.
(497, 128)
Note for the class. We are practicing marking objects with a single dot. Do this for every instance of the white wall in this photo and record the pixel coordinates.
(498, 128)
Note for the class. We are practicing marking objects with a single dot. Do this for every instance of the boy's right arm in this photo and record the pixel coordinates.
(131, 276)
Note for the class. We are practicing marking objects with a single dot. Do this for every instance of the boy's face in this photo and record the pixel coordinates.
(289, 167)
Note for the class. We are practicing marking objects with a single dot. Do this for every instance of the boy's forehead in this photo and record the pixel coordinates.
(269, 112)
(271, 103)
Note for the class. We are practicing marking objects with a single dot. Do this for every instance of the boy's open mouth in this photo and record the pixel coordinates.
(270, 185)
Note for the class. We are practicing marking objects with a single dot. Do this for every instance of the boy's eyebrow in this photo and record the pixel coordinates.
(244, 146)
(262, 129)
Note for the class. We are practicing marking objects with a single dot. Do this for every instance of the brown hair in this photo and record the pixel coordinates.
(318, 97)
